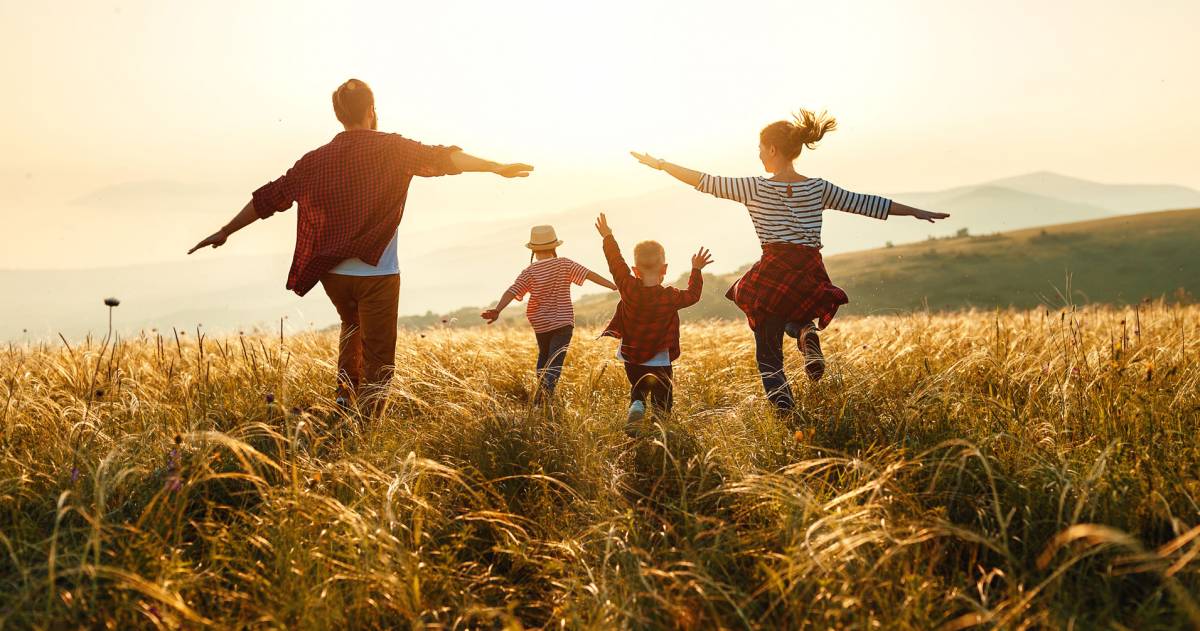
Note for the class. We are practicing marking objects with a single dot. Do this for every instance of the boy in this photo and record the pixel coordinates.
(647, 319)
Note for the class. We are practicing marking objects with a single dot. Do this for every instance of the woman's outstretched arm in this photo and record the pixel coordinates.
(683, 174)
(924, 215)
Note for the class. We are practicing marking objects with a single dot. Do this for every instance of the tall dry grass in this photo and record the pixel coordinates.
(994, 470)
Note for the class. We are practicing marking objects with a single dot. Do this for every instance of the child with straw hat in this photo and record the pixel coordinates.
(548, 280)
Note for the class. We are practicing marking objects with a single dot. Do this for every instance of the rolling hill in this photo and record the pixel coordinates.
(1117, 260)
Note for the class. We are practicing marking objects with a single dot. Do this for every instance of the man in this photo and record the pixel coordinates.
(351, 195)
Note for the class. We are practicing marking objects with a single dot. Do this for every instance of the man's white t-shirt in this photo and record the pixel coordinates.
(389, 263)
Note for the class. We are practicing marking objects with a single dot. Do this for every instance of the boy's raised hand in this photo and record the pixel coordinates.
(491, 315)
(701, 258)
(602, 226)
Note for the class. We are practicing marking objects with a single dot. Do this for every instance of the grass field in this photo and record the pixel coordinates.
(1015, 469)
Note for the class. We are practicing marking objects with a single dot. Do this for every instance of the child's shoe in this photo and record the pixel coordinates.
(633, 420)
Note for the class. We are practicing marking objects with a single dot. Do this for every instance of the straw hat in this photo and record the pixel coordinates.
(543, 238)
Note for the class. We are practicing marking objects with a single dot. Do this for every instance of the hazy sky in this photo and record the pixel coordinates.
(215, 98)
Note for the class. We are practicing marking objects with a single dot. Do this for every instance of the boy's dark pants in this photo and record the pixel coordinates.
(651, 382)
(552, 352)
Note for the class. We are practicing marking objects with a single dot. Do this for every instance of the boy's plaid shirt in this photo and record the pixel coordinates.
(647, 318)
(351, 194)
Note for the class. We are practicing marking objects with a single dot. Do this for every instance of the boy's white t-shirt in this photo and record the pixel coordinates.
(389, 263)
(663, 358)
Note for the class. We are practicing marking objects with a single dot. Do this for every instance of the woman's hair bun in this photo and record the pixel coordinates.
(805, 129)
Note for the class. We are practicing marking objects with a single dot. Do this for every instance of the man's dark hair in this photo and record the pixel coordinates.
(352, 101)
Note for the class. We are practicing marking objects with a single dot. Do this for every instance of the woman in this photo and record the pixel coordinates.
(788, 291)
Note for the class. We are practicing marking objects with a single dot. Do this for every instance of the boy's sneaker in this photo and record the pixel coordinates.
(809, 344)
(637, 414)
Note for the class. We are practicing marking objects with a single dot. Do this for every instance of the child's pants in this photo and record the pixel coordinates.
(651, 382)
(768, 350)
(552, 352)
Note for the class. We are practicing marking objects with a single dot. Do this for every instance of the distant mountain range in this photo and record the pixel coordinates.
(482, 258)
(1115, 260)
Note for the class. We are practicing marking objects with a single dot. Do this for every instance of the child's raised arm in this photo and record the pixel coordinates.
(612, 253)
(695, 288)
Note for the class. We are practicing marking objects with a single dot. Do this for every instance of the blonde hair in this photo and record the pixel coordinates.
(649, 255)
(805, 129)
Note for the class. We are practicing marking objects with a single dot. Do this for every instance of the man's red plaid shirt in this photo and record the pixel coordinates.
(647, 318)
(351, 195)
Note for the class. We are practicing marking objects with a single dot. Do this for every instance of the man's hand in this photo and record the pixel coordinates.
(602, 226)
(513, 170)
(647, 159)
(491, 315)
(701, 259)
(216, 240)
(925, 215)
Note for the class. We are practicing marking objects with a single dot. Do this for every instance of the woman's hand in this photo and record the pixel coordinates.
(902, 210)
(930, 216)
(647, 160)
(701, 258)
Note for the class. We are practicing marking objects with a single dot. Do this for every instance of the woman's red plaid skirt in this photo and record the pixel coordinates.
(788, 283)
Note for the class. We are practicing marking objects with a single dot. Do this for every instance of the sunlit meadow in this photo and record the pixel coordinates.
(1013, 469)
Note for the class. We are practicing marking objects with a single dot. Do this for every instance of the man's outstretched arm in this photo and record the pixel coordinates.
(466, 162)
(245, 217)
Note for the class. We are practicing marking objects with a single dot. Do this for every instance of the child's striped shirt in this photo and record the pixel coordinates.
(790, 212)
(548, 283)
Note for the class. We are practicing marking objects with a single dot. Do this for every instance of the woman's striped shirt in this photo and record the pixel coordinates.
(790, 212)
(548, 283)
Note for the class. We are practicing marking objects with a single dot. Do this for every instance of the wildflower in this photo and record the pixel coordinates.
(111, 302)
(799, 435)
(74, 474)
(100, 393)
(270, 398)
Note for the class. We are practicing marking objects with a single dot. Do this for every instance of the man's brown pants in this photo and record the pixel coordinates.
(367, 306)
